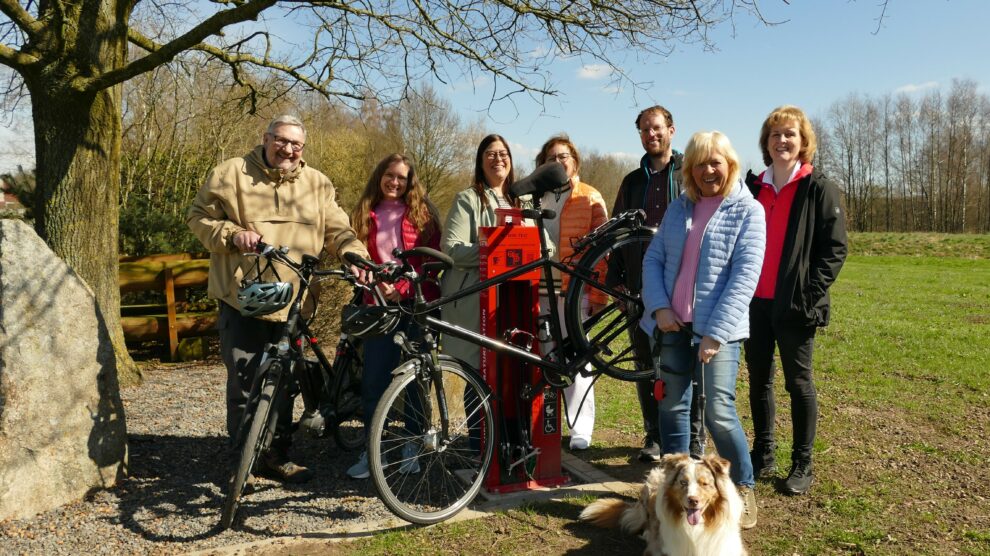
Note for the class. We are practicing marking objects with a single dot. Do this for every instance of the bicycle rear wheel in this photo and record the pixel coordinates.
(349, 431)
(421, 475)
(605, 335)
(259, 436)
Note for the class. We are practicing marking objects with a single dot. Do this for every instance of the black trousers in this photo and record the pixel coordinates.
(649, 406)
(796, 345)
(242, 343)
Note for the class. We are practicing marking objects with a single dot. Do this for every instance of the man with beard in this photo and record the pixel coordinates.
(651, 187)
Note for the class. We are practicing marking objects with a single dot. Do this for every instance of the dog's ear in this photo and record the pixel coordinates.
(718, 465)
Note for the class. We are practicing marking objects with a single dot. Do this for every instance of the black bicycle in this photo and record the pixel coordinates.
(331, 392)
(431, 438)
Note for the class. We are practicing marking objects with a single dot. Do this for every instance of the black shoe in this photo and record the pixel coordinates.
(764, 462)
(696, 449)
(276, 468)
(799, 479)
(651, 452)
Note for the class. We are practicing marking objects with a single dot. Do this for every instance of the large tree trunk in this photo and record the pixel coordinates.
(77, 141)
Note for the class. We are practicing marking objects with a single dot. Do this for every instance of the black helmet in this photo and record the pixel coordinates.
(263, 298)
(372, 320)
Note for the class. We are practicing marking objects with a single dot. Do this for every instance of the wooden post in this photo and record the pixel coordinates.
(173, 334)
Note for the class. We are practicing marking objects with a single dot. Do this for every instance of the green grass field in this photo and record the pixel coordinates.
(904, 430)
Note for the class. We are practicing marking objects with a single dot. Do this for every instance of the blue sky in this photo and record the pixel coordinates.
(823, 51)
(826, 50)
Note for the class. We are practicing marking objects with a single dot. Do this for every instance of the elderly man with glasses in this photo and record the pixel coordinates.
(270, 195)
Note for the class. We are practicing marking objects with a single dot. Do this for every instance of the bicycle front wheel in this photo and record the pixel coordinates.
(605, 335)
(423, 474)
(259, 436)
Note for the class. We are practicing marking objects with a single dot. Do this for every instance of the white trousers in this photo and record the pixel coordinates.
(580, 416)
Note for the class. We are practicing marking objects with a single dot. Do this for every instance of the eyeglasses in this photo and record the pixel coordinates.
(492, 155)
(281, 142)
(655, 130)
(560, 157)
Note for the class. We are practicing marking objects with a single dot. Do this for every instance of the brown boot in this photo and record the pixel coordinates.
(279, 468)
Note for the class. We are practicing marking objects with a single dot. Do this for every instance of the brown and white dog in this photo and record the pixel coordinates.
(686, 507)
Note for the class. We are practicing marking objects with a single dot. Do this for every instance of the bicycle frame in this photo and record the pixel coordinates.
(450, 433)
(289, 347)
(560, 365)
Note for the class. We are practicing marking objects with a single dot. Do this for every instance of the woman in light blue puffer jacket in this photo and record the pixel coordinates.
(699, 275)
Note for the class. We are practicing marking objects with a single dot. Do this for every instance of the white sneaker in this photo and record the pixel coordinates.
(580, 442)
(410, 459)
(360, 469)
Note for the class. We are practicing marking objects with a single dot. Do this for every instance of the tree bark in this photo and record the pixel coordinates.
(77, 142)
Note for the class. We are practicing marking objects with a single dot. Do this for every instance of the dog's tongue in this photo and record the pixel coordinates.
(693, 517)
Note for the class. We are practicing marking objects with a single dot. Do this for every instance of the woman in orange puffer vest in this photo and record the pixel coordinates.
(580, 208)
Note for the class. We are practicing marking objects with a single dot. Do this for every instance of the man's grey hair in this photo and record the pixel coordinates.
(286, 119)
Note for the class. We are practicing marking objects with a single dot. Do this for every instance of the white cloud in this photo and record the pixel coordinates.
(914, 88)
(594, 71)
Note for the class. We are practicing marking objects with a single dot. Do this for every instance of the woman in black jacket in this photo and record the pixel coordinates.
(806, 246)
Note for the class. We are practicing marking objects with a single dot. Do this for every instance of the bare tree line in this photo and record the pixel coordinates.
(911, 164)
(185, 117)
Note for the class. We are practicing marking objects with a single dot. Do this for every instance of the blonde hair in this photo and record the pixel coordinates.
(702, 146)
(422, 213)
(784, 114)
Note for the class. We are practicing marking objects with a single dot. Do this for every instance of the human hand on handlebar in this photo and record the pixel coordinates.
(247, 241)
(363, 276)
(390, 292)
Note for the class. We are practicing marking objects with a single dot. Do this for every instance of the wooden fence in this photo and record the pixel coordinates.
(172, 274)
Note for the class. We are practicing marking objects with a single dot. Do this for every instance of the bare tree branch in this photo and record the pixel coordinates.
(20, 17)
(14, 59)
(160, 54)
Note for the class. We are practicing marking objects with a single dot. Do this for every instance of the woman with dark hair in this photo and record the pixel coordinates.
(473, 208)
(393, 212)
(806, 246)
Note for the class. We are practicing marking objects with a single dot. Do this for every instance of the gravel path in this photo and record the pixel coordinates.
(170, 501)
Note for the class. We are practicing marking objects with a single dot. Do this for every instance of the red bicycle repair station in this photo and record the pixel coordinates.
(520, 463)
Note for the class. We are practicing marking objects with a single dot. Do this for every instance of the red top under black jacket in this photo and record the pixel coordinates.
(777, 207)
(812, 254)
(411, 237)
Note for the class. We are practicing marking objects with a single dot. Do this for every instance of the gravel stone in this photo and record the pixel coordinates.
(178, 465)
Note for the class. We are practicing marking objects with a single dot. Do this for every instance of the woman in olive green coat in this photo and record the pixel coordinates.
(472, 208)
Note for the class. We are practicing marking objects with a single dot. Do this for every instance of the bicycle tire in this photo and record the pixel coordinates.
(257, 438)
(349, 430)
(448, 476)
(606, 334)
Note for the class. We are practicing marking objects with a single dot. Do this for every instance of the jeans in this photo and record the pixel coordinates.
(680, 368)
(647, 400)
(796, 345)
(381, 356)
